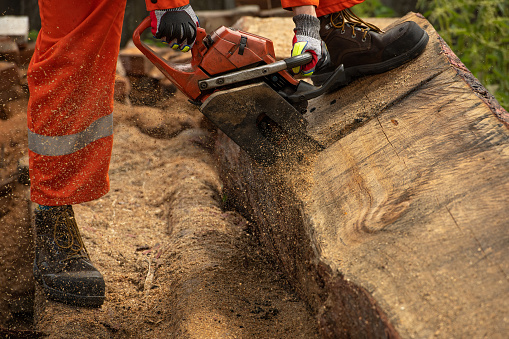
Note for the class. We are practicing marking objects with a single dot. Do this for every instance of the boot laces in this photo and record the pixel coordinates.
(348, 18)
(68, 237)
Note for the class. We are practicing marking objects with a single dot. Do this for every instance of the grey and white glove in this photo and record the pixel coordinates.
(307, 39)
(176, 26)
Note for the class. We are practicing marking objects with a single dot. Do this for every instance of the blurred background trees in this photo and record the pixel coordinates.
(478, 33)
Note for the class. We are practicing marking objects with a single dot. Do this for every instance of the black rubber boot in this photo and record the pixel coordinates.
(62, 265)
(363, 49)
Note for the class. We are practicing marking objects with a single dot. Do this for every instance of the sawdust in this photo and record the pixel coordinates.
(176, 263)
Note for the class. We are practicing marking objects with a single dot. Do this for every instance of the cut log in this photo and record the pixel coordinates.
(399, 227)
(11, 94)
(7, 99)
(25, 54)
(15, 27)
(122, 88)
(7, 185)
(211, 20)
(9, 50)
(134, 62)
(9, 75)
(263, 4)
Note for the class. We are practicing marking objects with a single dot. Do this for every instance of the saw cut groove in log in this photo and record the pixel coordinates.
(399, 227)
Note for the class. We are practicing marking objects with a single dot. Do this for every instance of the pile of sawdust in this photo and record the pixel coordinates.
(176, 264)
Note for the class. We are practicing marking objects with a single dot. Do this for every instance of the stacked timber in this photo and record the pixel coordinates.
(399, 227)
(16, 50)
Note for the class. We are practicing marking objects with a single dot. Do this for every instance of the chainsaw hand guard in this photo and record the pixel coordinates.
(184, 76)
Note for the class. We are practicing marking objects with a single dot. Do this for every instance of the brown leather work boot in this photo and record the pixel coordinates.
(62, 265)
(363, 48)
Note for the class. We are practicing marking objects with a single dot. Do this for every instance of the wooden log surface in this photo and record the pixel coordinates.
(399, 227)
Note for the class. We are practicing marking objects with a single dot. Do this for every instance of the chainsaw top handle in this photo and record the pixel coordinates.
(182, 75)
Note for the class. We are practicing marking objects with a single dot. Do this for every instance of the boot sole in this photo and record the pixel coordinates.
(66, 298)
(355, 72)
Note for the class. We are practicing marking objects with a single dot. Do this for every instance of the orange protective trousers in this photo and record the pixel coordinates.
(71, 81)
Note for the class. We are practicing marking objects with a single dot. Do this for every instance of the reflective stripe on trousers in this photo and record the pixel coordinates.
(67, 144)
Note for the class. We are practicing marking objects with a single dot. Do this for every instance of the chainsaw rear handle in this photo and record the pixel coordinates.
(145, 49)
(181, 75)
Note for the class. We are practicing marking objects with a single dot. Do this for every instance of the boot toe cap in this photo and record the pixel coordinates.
(82, 283)
(81, 288)
(406, 36)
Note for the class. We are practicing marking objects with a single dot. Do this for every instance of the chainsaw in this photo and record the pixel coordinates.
(235, 79)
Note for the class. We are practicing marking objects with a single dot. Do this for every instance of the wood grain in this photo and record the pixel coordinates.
(399, 227)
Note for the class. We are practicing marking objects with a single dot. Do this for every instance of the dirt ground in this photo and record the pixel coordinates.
(16, 280)
(176, 263)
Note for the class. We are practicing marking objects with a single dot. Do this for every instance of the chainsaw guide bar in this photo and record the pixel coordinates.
(245, 114)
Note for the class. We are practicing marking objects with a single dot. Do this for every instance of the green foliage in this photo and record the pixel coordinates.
(478, 33)
(32, 35)
(373, 9)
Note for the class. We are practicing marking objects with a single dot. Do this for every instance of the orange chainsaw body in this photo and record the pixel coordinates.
(240, 87)
(225, 50)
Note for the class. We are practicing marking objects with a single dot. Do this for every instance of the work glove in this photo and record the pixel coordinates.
(307, 39)
(176, 26)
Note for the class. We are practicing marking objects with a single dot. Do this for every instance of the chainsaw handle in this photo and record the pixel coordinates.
(196, 51)
(184, 76)
(298, 60)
